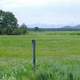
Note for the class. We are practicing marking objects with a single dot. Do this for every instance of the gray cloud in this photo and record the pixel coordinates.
(54, 12)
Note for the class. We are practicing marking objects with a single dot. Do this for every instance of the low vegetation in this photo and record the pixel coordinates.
(57, 53)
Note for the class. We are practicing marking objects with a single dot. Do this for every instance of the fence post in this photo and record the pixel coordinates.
(33, 54)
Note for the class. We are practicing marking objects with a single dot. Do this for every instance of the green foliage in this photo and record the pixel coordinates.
(9, 24)
(23, 29)
(36, 28)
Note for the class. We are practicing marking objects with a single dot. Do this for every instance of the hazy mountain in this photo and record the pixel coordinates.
(44, 26)
(77, 26)
(73, 27)
(54, 26)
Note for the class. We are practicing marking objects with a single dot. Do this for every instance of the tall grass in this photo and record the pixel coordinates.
(45, 70)
(58, 56)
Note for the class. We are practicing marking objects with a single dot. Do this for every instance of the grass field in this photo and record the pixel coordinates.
(57, 53)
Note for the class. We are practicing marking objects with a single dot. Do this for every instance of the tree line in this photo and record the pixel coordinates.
(9, 24)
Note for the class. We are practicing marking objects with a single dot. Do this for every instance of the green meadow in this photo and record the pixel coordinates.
(57, 56)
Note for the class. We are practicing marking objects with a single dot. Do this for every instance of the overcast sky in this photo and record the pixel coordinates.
(44, 11)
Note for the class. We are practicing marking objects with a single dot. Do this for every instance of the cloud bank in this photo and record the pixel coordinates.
(44, 11)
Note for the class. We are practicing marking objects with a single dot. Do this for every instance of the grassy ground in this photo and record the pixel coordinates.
(58, 56)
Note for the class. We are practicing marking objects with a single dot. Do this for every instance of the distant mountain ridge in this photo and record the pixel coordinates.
(73, 27)
(44, 26)
(53, 26)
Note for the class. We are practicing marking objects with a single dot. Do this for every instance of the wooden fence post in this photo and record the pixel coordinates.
(33, 54)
